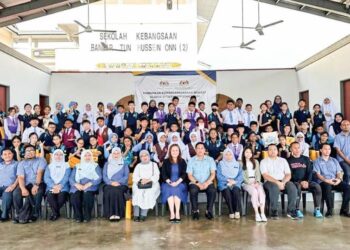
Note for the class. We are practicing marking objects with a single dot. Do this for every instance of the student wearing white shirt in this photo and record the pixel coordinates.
(118, 121)
(231, 116)
(34, 121)
(277, 175)
(248, 115)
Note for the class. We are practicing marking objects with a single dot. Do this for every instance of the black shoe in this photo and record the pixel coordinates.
(209, 215)
(274, 215)
(344, 213)
(177, 220)
(329, 213)
(53, 217)
(4, 220)
(172, 220)
(15, 221)
(136, 218)
(195, 215)
(142, 218)
(33, 219)
(293, 215)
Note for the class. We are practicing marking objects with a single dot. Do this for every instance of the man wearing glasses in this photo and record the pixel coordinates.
(30, 173)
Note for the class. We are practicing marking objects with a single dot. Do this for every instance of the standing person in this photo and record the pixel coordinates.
(8, 182)
(160, 114)
(252, 184)
(84, 182)
(301, 115)
(317, 118)
(264, 118)
(87, 114)
(329, 176)
(115, 176)
(12, 126)
(335, 127)
(59, 116)
(201, 174)
(69, 136)
(284, 118)
(192, 115)
(26, 117)
(37, 113)
(329, 111)
(131, 117)
(342, 146)
(175, 101)
(145, 188)
(248, 116)
(231, 116)
(174, 186)
(102, 131)
(171, 117)
(34, 122)
(47, 117)
(152, 108)
(202, 113)
(30, 174)
(302, 175)
(215, 115)
(230, 178)
(277, 175)
(277, 104)
(56, 178)
(118, 121)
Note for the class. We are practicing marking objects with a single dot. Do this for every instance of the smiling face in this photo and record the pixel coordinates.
(58, 156)
(144, 157)
(116, 155)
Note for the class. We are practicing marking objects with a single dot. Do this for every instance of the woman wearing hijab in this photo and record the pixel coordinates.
(59, 117)
(174, 187)
(109, 145)
(160, 149)
(115, 176)
(84, 182)
(230, 178)
(145, 188)
(335, 128)
(300, 137)
(56, 178)
(190, 147)
(329, 111)
(145, 144)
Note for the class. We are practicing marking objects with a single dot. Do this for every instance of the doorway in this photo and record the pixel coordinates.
(305, 95)
(43, 101)
(345, 99)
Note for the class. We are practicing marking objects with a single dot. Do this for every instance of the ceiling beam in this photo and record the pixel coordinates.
(40, 13)
(337, 11)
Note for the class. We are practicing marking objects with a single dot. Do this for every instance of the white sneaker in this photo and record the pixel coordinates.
(258, 218)
(232, 216)
(263, 218)
(237, 215)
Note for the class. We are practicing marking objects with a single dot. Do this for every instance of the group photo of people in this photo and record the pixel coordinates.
(164, 155)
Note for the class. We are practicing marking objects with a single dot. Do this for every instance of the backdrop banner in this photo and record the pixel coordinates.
(163, 86)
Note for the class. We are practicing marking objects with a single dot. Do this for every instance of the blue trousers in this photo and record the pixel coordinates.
(6, 202)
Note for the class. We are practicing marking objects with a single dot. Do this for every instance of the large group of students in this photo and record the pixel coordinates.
(170, 155)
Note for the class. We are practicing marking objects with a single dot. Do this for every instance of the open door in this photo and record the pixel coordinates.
(305, 95)
(3, 98)
(43, 101)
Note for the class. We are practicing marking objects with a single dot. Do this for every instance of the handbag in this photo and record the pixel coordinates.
(147, 185)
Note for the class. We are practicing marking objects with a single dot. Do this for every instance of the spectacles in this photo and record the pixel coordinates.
(29, 150)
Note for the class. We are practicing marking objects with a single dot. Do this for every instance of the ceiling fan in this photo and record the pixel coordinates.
(259, 28)
(243, 45)
(87, 28)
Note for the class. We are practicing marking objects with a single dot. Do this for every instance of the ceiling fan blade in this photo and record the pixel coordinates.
(80, 24)
(76, 34)
(248, 48)
(271, 24)
(105, 31)
(260, 31)
(240, 27)
(248, 43)
(229, 47)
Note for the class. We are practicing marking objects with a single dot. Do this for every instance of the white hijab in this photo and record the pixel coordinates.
(114, 165)
(57, 168)
(328, 108)
(195, 142)
(161, 144)
(86, 169)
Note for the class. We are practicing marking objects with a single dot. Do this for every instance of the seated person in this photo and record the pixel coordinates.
(330, 177)
(302, 174)
(277, 175)
(201, 174)
(30, 174)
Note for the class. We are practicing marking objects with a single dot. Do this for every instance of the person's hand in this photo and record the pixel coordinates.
(336, 182)
(328, 181)
(25, 192)
(87, 185)
(281, 185)
(10, 188)
(144, 181)
(231, 182)
(304, 184)
(35, 189)
(347, 161)
(109, 148)
(79, 186)
(115, 184)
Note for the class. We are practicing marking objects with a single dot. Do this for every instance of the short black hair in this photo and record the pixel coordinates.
(100, 118)
(36, 105)
(6, 149)
(200, 143)
(161, 103)
(200, 103)
(191, 103)
(120, 106)
(239, 99)
(248, 105)
(51, 123)
(144, 104)
(131, 102)
(155, 120)
(214, 104)
(27, 104)
(170, 103)
(253, 123)
(230, 101)
(271, 145)
(175, 98)
(28, 146)
(86, 121)
(186, 120)
(325, 144)
(200, 118)
(100, 103)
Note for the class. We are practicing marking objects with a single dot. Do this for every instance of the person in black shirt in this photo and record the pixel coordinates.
(318, 118)
(301, 115)
(302, 176)
(144, 113)
(26, 117)
(131, 117)
(47, 137)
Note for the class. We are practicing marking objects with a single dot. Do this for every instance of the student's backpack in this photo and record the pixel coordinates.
(26, 212)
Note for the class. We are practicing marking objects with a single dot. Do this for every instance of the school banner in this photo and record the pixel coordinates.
(163, 86)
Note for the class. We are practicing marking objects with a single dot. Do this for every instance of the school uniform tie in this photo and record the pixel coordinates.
(248, 119)
(35, 130)
(235, 151)
(202, 135)
(231, 117)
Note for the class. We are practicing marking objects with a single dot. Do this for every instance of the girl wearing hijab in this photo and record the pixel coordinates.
(160, 149)
(56, 178)
(303, 145)
(109, 145)
(59, 117)
(115, 176)
(143, 199)
(84, 182)
(145, 144)
(230, 178)
(329, 111)
(335, 128)
(87, 114)
(176, 139)
(174, 187)
(190, 147)
(252, 184)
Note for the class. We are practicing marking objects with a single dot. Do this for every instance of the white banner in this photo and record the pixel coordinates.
(163, 86)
